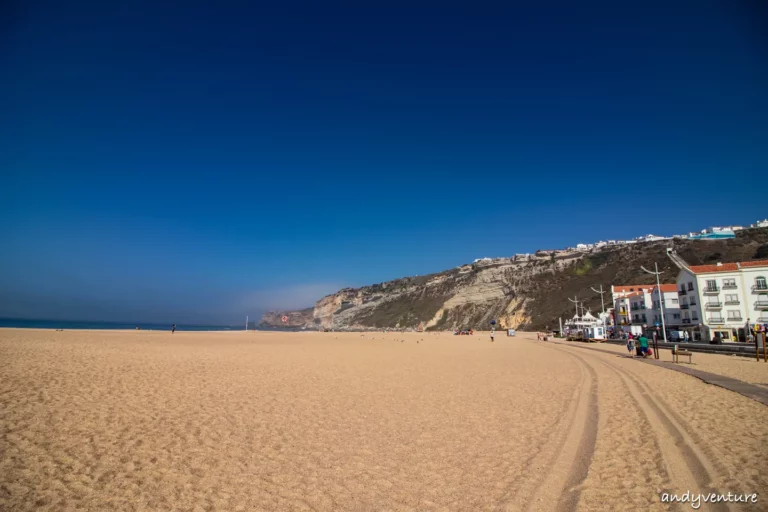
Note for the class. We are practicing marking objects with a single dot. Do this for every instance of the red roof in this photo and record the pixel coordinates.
(727, 267)
(667, 288)
(624, 288)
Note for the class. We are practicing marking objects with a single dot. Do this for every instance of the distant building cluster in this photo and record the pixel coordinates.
(712, 233)
(715, 232)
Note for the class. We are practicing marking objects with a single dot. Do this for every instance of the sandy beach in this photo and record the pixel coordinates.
(242, 421)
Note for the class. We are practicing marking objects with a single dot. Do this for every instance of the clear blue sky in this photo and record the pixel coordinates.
(206, 161)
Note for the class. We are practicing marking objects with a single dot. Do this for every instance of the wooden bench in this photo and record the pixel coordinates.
(677, 353)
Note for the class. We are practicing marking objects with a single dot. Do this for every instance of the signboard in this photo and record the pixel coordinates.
(510, 332)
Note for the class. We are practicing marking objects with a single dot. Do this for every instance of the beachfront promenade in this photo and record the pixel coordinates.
(122, 420)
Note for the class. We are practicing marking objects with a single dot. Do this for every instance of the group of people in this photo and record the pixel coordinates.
(463, 333)
(641, 348)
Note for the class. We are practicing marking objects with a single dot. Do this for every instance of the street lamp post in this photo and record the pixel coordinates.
(661, 297)
(602, 303)
(576, 302)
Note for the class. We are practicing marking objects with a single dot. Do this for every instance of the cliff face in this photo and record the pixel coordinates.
(524, 293)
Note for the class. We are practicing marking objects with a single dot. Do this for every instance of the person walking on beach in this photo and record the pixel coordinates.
(643, 345)
(173, 329)
(631, 347)
(492, 332)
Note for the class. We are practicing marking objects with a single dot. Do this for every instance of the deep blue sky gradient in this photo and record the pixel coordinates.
(202, 162)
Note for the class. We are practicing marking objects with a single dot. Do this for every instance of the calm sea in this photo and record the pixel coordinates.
(68, 324)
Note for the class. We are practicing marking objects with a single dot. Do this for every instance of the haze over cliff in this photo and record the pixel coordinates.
(518, 292)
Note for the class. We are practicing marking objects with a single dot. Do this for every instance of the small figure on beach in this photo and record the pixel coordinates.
(173, 329)
(492, 333)
(643, 345)
(685, 336)
(631, 347)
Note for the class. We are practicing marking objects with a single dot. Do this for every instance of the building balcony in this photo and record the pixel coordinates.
(729, 286)
(761, 304)
(686, 320)
(684, 306)
(762, 320)
(716, 320)
(735, 318)
(682, 292)
(711, 289)
(693, 303)
(759, 288)
(732, 303)
(713, 305)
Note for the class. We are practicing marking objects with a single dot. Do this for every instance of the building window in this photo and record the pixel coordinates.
(734, 315)
(761, 284)
(711, 285)
(676, 316)
(729, 283)
(695, 316)
(732, 299)
(674, 301)
(690, 286)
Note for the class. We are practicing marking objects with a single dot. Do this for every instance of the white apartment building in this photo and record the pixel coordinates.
(620, 296)
(723, 300)
(672, 312)
(645, 307)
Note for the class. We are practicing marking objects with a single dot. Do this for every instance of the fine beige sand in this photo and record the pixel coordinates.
(134, 420)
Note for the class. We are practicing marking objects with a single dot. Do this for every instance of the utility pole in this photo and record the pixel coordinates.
(575, 300)
(246, 322)
(661, 297)
(602, 303)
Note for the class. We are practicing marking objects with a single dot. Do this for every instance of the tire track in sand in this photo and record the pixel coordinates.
(691, 470)
(527, 484)
(565, 473)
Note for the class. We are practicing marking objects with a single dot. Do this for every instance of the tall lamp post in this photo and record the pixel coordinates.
(661, 297)
(602, 303)
(576, 302)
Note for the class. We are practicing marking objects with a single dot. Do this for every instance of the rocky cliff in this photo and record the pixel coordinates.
(529, 292)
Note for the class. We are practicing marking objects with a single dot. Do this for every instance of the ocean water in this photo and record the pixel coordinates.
(69, 324)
